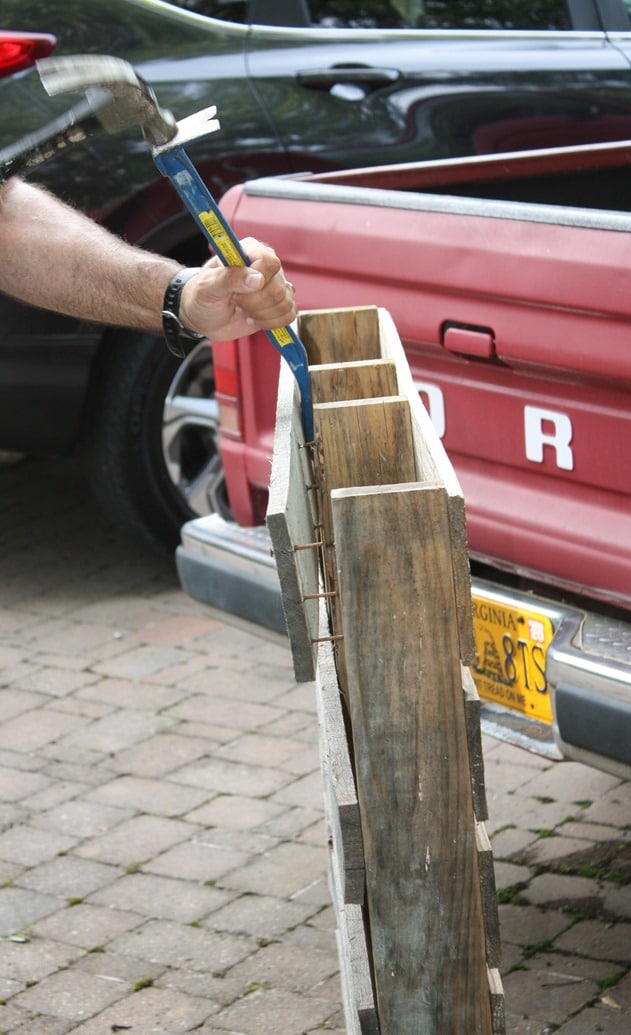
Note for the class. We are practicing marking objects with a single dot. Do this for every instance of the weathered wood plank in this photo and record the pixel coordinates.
(341, 382)
(489, 897)
(340, 792)
(496, 996)
(360, 1012)
(474, 739)
(290, 522)
(340, 335)
(434, 466)
(411, 756)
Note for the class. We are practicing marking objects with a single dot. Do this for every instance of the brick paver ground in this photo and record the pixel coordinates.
(162, 843)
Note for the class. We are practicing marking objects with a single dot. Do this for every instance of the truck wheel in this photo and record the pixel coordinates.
(151, 444)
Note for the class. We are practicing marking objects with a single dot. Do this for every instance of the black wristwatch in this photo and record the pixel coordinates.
(176, 335)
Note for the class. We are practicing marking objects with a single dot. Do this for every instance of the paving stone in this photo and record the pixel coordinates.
(57, 681)
(562, 890)
(307, 791)
(306, 824)
(525, 1026)
(114, 732)
(551, 849)
(219, 775)
(197, 860)
(131, 694)
(155, 797)
(176, 629)
(548, 989)
(81, 819)
(528, 925)
(28, 846)
(599, 1020)
(150, 1010)
(179, 945)
(235, 810)
(86, 925)
(70, 994)
(571, 782)
(598, 940)
(285, 870)
(259, 749)
(508, 875)
(30, 731)
(18, 786)
(161, 754)
(139, 662)
(67, 876)
(136, 840)
(161, 897)
(33, 959)
(218, 710)
(268, 1011)
(288, 967)
(21, 1022)
(261, 916)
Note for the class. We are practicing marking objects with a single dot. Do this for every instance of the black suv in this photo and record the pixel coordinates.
(298, 86)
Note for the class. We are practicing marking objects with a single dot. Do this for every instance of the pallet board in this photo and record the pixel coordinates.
(368, 529)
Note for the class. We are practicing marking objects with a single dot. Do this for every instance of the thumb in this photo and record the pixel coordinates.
(251, 280)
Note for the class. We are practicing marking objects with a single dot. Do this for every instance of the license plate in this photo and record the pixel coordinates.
(511, 645)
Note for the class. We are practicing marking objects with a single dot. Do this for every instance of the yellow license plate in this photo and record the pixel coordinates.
(511, 645)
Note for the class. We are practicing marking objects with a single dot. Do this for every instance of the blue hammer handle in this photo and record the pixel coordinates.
(177, 166)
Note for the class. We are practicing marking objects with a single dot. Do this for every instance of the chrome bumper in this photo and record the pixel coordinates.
(588, 665)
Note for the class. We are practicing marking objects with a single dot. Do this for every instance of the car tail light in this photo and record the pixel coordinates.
(20, 50)
(225, 360)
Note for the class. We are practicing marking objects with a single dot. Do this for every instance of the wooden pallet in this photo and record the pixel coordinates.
(368, 529)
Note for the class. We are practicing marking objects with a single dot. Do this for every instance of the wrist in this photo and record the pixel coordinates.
(176, 334)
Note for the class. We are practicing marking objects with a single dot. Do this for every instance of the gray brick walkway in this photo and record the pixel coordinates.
(162, 844)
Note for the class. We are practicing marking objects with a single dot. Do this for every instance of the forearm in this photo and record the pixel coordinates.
(57, 258)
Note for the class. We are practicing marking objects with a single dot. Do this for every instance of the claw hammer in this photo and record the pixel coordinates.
(132, 96)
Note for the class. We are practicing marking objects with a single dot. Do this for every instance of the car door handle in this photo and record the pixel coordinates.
(367, 77)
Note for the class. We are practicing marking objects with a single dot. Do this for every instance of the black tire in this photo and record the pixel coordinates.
(151, 467)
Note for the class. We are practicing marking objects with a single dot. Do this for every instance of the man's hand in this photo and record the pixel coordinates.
(224, 302)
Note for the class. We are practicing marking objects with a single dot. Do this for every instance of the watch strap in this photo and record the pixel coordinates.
(176, 335)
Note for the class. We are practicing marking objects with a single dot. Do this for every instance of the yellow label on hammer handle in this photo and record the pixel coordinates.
(221, 239)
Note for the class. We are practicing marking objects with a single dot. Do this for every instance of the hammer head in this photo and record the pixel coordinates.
(133, 100)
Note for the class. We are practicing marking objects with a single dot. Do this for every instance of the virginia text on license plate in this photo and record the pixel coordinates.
(511, 645)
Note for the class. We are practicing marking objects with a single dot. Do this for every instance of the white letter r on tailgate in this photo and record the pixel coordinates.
(548, 428)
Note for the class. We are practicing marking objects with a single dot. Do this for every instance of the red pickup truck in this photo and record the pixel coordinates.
(508, 280)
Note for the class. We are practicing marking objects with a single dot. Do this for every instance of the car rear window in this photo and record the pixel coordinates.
(390, 14)
(441, 14)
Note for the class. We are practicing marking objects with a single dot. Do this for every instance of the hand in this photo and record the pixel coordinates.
(225, 302)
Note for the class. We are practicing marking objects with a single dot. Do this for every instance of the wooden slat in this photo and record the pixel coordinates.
(411, 757)
(340, 792)
(434, 466)
(290, 522)
(489, 897)
(496, 997)
(474, 740)
(341, 382)
(340, 335)
(360, 1012)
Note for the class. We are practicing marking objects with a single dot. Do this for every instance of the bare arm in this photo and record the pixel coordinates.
(57, 258)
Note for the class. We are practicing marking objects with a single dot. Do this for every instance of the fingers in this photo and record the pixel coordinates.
(235, 300)
(272, 302)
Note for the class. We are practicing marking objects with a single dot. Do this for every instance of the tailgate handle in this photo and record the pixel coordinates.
(468, 339)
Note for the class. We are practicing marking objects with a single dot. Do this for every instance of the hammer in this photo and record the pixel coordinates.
(133, 101)
(76, 125)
